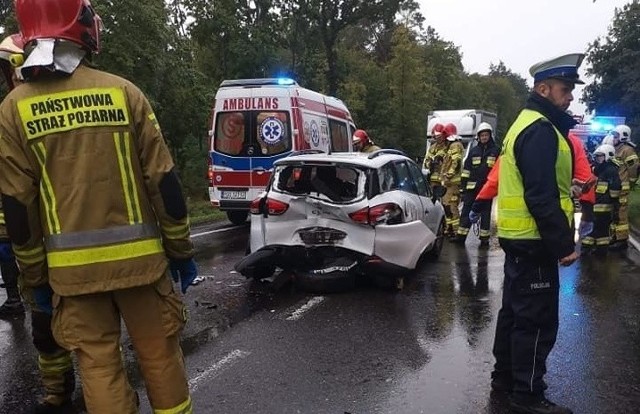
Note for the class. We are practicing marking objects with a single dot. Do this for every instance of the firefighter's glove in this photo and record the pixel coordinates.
(585, 228)
(42, 297)
(6, 253)
(474, 217)
(184, 269)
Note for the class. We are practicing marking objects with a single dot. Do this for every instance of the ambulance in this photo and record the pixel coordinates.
(255, 122)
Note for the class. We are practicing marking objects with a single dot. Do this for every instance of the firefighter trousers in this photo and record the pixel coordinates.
(485, 217)
(54, 362)
(527, 323)
(153, 314)
(10, 274)
(598, 240)
(622, 225)
(451, 203)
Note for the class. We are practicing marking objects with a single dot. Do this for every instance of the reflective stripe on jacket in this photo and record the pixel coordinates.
(514, 219)
(86, 157)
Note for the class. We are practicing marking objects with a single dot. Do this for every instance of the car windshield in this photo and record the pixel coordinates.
(335, 183)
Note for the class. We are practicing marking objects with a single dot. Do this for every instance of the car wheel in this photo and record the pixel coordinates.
(237, 217)
(434, 253)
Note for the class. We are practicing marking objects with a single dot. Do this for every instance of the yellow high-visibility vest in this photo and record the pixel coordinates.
(514, 219)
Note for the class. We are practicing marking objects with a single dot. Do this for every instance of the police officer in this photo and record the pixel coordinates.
(627, 160)
(451, 177)
(606, 205)
(434, 157)
(535, 232)
(95, 211)
(476, 168)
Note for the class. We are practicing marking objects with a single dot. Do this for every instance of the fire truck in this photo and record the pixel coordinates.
(255, 122)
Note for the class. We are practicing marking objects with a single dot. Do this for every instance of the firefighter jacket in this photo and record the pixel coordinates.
(452, 165)
(89, 188)
(628, 162)
(477, 166)
(607, 189)
(434, 159)
(534, 199)
(370, 148)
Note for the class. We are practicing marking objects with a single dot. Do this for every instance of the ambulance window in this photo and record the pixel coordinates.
(273, 133)
(230, 132)
(339, 136)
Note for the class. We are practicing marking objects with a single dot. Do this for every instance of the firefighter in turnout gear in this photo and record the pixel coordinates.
(95, 211)
(362, 142)
(54, 362)
(627, 160)
(606, 206)
(477, 166)
(451, 177)
(434, 157)
(535, 231)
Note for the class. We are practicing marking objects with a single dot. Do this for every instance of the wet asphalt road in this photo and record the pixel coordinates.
(268, 348)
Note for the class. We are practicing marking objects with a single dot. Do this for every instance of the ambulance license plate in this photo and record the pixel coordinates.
(233, 195)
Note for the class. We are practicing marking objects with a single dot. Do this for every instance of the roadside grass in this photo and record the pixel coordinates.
(200, 211)
(634, 208)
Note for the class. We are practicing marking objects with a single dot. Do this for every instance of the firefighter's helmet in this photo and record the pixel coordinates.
(438, 129)
(607, 150)
(624, 133)
(484, 126)
(607, 140)
(360, 139)
(451, 132)
(11, 57)
(72, 20)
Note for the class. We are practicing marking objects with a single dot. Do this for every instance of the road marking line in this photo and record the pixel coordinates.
(215, 369)
(297, 314)
(204, 233)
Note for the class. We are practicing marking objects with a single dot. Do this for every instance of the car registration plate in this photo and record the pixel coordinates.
(233, 195)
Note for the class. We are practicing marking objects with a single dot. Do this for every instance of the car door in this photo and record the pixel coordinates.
(431, 214)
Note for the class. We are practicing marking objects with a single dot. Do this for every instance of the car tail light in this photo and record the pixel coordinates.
(389, 213)
(273, 207)
(255, 206)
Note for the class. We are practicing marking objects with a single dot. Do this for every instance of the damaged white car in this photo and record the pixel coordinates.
(331, 217)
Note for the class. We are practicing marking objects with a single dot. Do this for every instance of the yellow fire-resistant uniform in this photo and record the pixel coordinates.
(451, 177)
(434, 160)
(627, 159)
(88, 177)
(370, 148)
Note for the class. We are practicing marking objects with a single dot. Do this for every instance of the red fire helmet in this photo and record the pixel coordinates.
(360, 136)
(73, 20)
(438, 129)
(450, 129)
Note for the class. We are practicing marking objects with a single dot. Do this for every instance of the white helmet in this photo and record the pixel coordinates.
(607, 150)
(608, 140)
(624, 131)
(484, 126)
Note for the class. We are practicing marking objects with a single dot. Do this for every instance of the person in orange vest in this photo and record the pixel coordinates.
(584, 181)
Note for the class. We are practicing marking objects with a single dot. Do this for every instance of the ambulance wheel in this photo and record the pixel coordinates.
(237, 217)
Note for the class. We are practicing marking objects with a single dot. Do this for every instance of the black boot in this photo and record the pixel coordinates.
(45, 407)
(619, 245)
(540, 406)
(10, 308)
(484, 242)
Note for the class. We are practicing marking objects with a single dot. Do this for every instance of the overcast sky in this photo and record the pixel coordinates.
(520, 33)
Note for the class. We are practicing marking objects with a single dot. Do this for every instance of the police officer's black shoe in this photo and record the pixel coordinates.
(45, 407)
(501, 384)
(541, 406)
(11, 307)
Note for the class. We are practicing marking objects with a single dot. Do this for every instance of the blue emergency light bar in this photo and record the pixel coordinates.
(606, 123)
(251, 83)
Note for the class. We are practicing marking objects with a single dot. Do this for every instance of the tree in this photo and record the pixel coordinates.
(614, 63)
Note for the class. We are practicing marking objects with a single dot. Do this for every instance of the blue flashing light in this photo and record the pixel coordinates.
(608, 127)
(285, 81)
(596, 126)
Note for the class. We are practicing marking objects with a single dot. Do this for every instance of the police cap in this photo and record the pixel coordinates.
(564, 68)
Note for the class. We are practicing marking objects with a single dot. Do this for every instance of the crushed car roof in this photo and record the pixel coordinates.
(371, 160)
